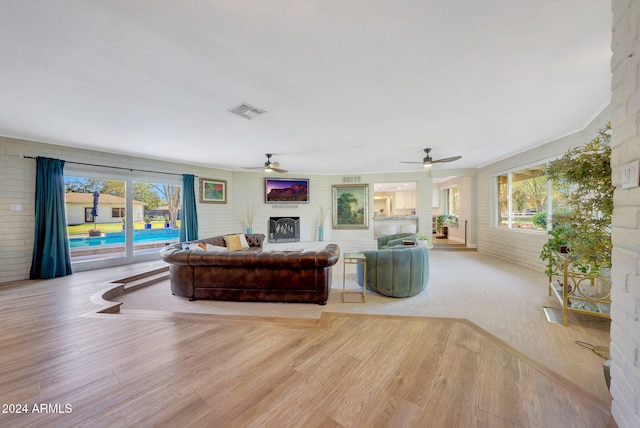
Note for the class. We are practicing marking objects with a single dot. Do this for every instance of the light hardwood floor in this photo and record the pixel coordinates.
(154, 368)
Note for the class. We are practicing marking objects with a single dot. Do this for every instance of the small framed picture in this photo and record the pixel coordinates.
(213, 191)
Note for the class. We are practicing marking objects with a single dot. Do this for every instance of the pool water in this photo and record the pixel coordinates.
(109, 238)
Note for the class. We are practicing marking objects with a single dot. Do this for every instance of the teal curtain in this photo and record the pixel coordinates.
(51, 258)
(189, 215)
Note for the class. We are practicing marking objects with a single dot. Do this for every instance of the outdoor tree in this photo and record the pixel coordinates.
(111, 187)
(518, 198)
(534, 191)
(90, 185)
(83, 185)
(171, 195)
(144, 192)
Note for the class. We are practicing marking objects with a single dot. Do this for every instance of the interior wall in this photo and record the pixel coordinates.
(520, 246)
(625, 297)
(245, 191)
(249, 197)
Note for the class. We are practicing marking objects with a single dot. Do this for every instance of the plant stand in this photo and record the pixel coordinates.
(576, 291)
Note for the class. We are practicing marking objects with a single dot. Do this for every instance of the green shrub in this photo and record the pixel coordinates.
(540, 219)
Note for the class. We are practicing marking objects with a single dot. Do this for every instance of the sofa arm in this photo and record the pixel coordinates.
(254, 239)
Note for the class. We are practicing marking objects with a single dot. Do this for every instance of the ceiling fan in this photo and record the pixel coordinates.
(269, 166)
(427, 161)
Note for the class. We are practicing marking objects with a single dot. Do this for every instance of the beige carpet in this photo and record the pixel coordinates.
(504, 299)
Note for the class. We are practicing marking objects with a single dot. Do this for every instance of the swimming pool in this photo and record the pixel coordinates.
(110, 238)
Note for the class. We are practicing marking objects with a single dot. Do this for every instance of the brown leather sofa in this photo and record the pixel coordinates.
(251, 274)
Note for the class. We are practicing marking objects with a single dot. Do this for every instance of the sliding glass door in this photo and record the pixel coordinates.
(114, 219)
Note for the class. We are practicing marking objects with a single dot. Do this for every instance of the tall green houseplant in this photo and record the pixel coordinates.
(587, 171)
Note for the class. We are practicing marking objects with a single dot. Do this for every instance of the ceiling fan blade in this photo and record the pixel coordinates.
(451, 159)
(428, 160)
(268, 166)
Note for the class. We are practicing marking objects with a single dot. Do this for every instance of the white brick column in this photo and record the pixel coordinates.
(625, 121)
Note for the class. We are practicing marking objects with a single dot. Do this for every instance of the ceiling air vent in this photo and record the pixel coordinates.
(247, 111)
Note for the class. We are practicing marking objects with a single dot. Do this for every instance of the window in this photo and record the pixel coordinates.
(88, 217)
(134, 220)
(522, 199)
(450, 196)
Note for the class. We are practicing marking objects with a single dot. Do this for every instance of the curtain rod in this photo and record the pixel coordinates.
(108, 166)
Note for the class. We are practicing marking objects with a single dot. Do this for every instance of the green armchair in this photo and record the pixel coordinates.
(401, 271)
(395, 239)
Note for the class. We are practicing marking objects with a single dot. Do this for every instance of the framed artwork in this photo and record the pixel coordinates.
(286, 191)
(213, 191)
(350, 206)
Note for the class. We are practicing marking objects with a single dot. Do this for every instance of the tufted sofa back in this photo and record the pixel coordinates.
(253, 239)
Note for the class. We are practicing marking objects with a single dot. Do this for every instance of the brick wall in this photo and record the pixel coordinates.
(625, 121)
(16, 228)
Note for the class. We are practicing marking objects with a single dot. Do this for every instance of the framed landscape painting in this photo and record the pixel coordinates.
(286, 190)
(213, 191)
(350, 206)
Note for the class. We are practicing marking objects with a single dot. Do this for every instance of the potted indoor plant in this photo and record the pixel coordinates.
(445, 220)
(558, 242)
(586, 170)
(424, 240)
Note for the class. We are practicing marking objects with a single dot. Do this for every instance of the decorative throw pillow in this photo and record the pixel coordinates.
(243, 241)
(233, 242)
(216, 248)
(197, 247)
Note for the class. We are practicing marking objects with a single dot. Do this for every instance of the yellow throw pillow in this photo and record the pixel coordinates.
(233, 242)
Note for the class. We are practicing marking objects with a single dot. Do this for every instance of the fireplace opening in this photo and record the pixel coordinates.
(284, 229)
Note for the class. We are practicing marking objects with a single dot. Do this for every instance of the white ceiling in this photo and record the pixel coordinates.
(349, 86)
